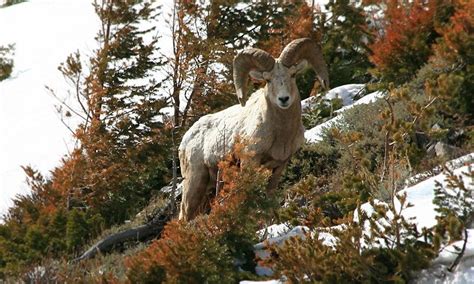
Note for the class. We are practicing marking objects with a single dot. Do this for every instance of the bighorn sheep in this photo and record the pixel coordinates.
(271, 119)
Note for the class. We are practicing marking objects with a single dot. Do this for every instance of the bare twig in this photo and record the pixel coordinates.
(63, 103)
(461, 253)
(386, 142)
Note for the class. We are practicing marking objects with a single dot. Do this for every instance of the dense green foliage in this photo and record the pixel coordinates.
(345, 40)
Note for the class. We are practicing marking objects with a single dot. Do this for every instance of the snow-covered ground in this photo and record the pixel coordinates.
(462, 274)
(44, 32)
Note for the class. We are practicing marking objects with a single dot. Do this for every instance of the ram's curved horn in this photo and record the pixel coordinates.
(306, 49)
(246, 61)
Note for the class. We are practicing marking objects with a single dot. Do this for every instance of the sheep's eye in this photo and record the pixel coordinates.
(268, 80)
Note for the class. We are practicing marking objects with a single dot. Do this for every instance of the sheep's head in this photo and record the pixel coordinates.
(280, 73)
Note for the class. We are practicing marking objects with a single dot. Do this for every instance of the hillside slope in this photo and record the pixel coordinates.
(420, 193)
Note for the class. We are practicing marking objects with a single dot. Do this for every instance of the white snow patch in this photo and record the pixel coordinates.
(314, 134)
(423, 214)
(451, 252)
(277, 234)
(462, 274)
(421, 195)
(345, 92)
(283, 235)
(274, 231)
(368, 99)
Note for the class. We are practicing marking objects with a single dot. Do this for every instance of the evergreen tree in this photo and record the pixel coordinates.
(345, 41)
(76, 229)
(452, 53)
(122, 153)
(6, 63)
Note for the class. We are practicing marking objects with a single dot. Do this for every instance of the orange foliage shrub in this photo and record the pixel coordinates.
(458, 35)
(296, 25)
(453, 52)
(405, 45)
(211, 248)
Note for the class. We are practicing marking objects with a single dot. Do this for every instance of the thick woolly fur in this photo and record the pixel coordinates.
(274, 134)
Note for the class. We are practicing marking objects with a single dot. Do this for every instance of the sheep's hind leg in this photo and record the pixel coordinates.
(194, 194)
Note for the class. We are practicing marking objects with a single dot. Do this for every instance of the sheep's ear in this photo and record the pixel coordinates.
(260, 76)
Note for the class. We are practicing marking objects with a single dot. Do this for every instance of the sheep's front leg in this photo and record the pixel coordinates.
(275, 178)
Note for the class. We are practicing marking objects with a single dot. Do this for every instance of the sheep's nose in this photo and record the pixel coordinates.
(284, 99)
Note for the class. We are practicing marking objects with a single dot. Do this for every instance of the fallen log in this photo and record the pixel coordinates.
(143, 232)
